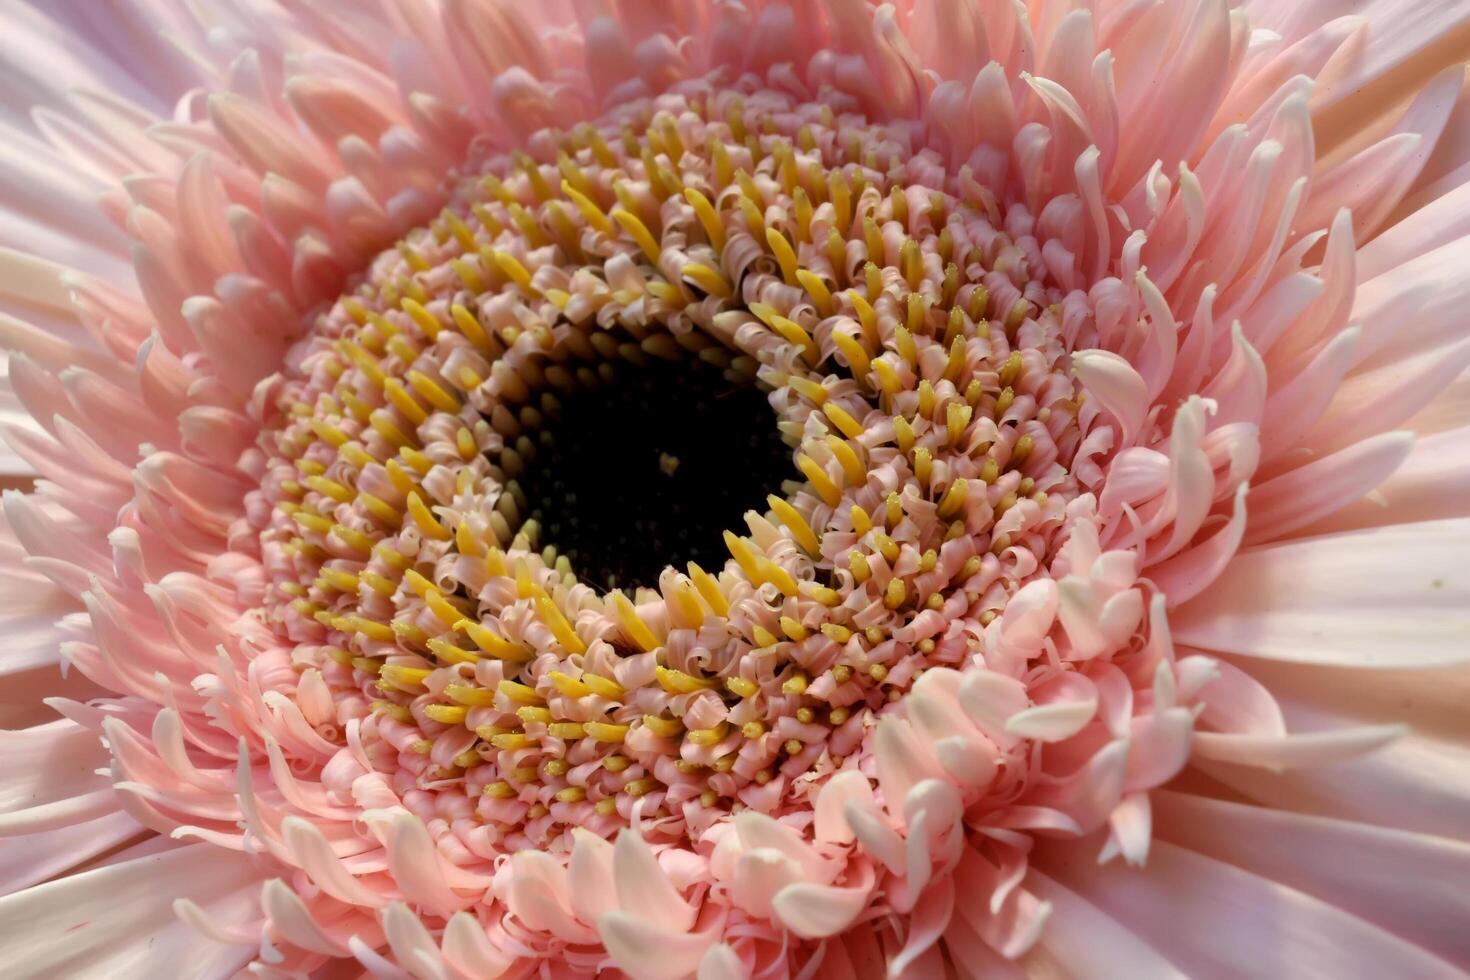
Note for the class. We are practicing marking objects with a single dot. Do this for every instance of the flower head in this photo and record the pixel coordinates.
(741, 490)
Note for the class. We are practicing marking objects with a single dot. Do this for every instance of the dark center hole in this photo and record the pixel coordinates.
(648, 470)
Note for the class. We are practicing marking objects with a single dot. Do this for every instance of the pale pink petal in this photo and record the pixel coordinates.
(1207, 917)
(644, 949)
(1296, 601)
(1406, 883)
(113, 921)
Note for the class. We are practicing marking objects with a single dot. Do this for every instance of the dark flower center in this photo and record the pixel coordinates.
(649, 469)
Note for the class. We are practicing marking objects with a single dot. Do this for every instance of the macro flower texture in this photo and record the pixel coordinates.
(651, 489)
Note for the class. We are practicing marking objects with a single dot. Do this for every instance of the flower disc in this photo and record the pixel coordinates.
(911, 360)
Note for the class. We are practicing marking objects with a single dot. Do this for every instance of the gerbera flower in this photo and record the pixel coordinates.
(955, 488)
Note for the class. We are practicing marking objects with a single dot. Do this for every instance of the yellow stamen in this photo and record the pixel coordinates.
(821, 483)
(638, 231)
(801, 531)
(785, 255)
(408, 679)
(470, 327)
(893, 509)
(511, 267)
(708, 736)
(923, 466)
(857, 358)
(708, 279)
(492, 642)
(636, 629)
(903, 434)
(853, 470)
(560, 628)
(678, 682)
(450, 653)
(513, 741)
(836, 632)
(446, 714)
(846, 424)
(604, 687)
(534, 714)
(793, 629)
(709, 218)
(887, 547)
(425, 519)
(954, 499)
(741, 687)
(600, 731)
(590, 211)
(663, 727)
(519, 693)
(957, 420)
(468, 695)
(911, 262)
(433, 393)
(709, 588)
(331, 488)
(422, 318)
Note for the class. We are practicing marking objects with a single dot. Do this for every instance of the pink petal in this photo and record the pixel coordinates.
(643, 949)
(643, 888)
(816, 911)
(1303, 601)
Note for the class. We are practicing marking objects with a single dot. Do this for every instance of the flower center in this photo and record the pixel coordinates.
(646, 467)
(550, 392)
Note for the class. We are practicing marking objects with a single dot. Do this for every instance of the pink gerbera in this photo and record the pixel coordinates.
(955, 488)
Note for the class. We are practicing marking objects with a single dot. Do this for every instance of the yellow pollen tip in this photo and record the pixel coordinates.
(638, 231)
(663, 727)
(468, 695)
(557, 622)
(633, 626)
(801, 531)
(708, 736)
(741, 687)
(678, 682)
(519, 693)
(446, 714)
(604, 732)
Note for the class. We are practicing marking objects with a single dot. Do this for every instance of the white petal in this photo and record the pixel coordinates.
(1410, 884)
(118, 921)
(1052, 722)
(1209, 918)
(1084, 941)
(721, 963)
(1381, 597)
(291, 919)
(832, 798)
(1286, 751)
(1117, 387)
(815, 911)
(25, 861)
(643, 888)
(991, 699)
(590, 878)
(470, 951)
(644, 950)
(410, 941)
